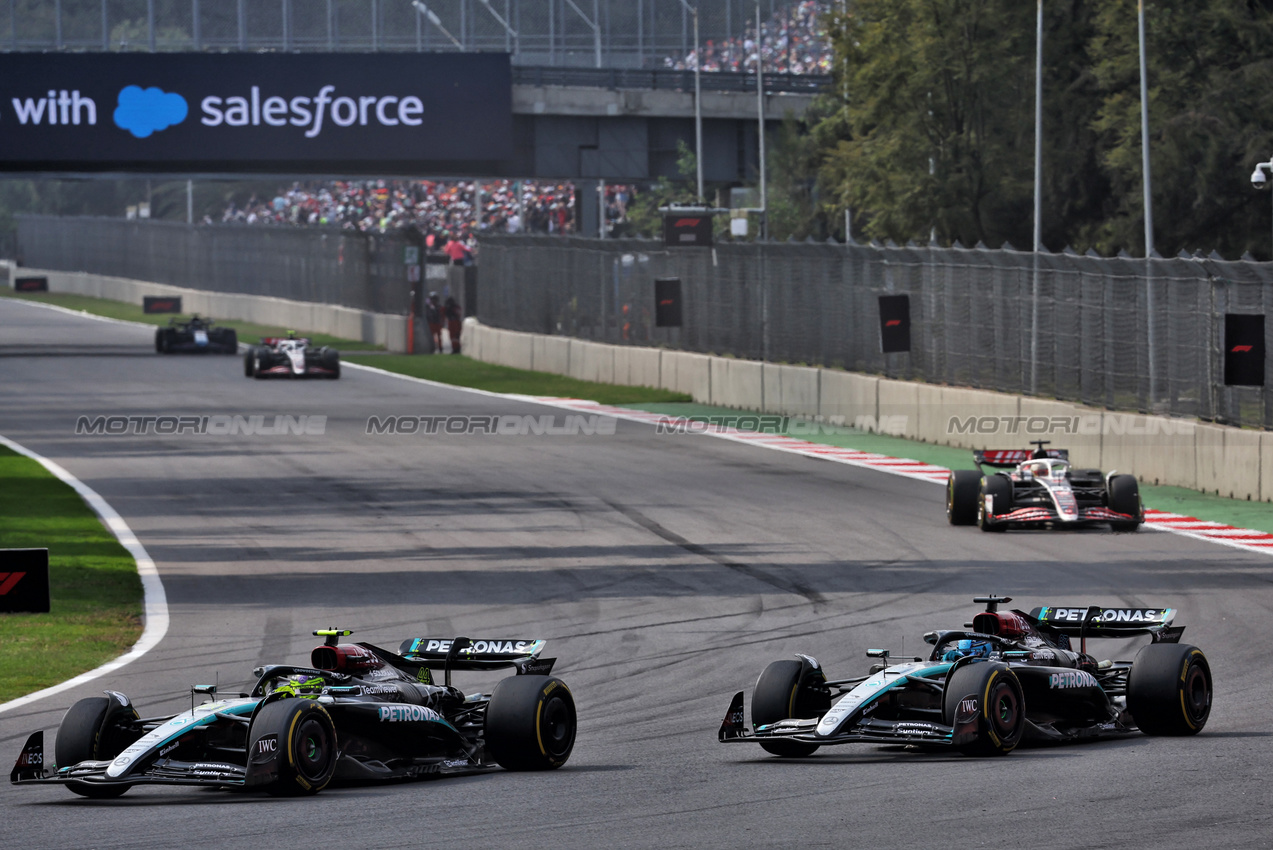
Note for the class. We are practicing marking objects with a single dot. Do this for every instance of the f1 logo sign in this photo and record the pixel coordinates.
(24, 580)
(1238, 349)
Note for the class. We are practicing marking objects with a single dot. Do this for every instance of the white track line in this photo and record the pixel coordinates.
(156, 601)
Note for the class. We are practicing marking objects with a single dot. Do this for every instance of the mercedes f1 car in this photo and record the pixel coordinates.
(359, 713)
(1039, 489)
(1005, 678)
(196, 336)
(291, 357)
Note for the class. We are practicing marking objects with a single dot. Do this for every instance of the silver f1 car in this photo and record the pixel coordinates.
(1005, 678)
(290, 357)
(359, 713)
(1039, 489)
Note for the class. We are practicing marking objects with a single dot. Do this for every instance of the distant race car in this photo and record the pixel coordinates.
(196, 336)
(358, 714)
(1039, 488)
(291, 357)
(1005, 678)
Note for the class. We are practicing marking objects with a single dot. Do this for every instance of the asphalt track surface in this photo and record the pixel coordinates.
(664, 571)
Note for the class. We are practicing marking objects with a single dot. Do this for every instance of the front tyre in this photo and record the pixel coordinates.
(1124, 497)
(97, 729)
(986, 696)
(1169, 689)
(249, 362)
(530, 723)
(996, 496)
(786, 690)
(962, 491)
(305, 740)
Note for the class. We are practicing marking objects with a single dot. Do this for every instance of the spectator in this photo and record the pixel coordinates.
(458, 252)
(451, 311)
(433, 317)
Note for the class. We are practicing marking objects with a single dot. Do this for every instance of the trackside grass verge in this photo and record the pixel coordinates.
(96, 594)
(462, 371)
(247, 331)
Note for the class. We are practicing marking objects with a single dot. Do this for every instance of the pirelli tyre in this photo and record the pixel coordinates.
(249, 362)
(329, 359)
(986, 695)
(94, 729)
(530, 723)
(226, 338)
(789, 689)
(1124, 497)
(301, 734)
(962, 491)
(995, 498)
(1169, 689)
(163, 340)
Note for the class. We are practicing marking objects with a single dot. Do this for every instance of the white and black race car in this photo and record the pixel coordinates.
(1039, 489)
(291, 357)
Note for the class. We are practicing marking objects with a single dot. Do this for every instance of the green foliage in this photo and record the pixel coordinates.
(644, 218)
(934, 128)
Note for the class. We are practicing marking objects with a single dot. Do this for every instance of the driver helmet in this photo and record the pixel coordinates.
(300, 685)
(965, 648)
(1038, 469)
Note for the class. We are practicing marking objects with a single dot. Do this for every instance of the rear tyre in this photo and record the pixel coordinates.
(249, 362)
(162, 344)
(784, 690)
(1124, 497)
(962, 491)
(530, 723)
(260, 361)
(97, 729)
(999, 708)
(1169, 689)
(307, 750)
(229, 338)
(999, 489)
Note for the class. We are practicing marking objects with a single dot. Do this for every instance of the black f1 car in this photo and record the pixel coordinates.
(197, 336)
(290, 357)
(1039, 488)
(359, 713)
(1005, 678)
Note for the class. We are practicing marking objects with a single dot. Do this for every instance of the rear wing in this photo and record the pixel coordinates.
(275, 340)
(1007, 458)
(467, 654)
(1097, 622)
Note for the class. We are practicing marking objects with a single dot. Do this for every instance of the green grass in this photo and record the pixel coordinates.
(462, 371)
(247, 331)
(96, 595)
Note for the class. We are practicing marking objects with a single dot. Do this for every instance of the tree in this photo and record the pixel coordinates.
(1210, 86)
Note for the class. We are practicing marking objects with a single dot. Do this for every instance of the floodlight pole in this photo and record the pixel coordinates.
(760, 113)
(503, 22)
(698, 101)
(1149, 206)
(1038, 200)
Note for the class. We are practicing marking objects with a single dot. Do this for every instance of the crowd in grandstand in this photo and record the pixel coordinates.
(437, 208)
(791, 42)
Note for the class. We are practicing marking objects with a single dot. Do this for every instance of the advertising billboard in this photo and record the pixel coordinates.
(255, 112)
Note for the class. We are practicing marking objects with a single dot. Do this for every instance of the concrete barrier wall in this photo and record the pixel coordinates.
(376, 328)
(1157, 449)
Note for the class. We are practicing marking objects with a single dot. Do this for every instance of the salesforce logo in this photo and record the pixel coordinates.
(145, 111)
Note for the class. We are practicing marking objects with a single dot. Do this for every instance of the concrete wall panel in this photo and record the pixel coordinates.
(848, 398)
(736, 383)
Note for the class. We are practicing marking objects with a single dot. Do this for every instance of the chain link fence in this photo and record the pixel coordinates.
(329, 266)
(1113, 333)
(594, 33)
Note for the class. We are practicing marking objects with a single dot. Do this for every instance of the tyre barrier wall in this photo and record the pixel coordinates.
(1230, 461)
(347, 322)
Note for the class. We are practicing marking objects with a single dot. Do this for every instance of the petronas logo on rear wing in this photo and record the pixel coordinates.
(1095, 620)
(468, 654)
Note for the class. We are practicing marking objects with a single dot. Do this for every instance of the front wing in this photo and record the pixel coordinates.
(864, 731)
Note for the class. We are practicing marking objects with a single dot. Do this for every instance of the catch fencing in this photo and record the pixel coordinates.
(1115, 333)
(325, 265)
